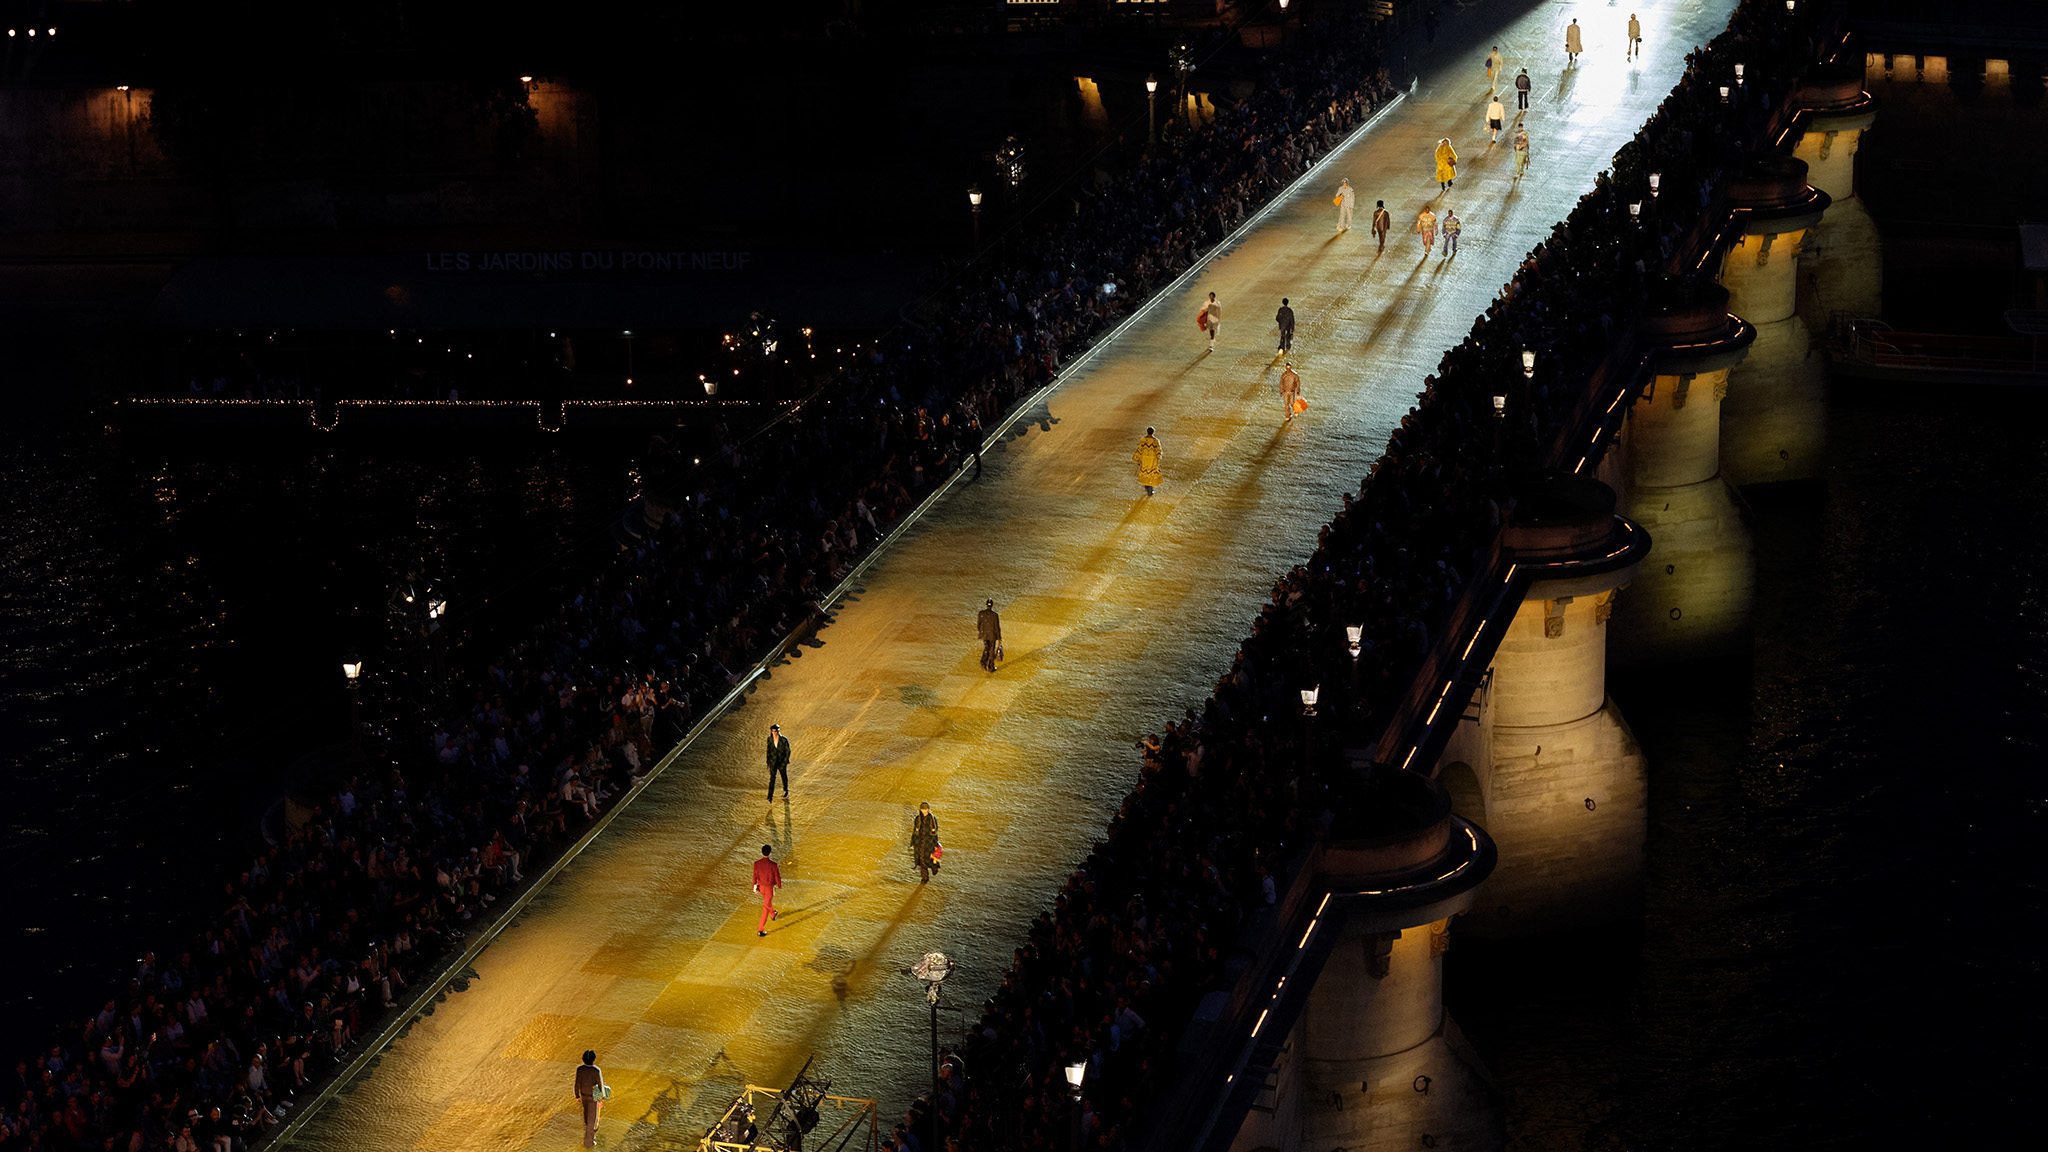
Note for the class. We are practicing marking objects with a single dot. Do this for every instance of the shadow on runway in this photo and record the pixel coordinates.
(665, 1123)
(836, 962)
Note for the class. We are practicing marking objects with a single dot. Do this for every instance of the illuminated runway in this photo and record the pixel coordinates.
(1118, 611)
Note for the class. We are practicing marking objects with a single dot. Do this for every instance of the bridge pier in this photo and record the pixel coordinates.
(1691, 598)
(1844, 257)
(1550, 769)
(1374, 1063)
(1774, 422)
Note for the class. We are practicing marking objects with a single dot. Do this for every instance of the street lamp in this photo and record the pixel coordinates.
(933, 968)
(974, 202)
(1528, 364)
(1353, 633)
(1724, 93)
(1309, 696)
(1151, 108)
(1738, 75)
(1500, 405)
(1635, 211)
(1656, 182)
(1076, 1073)
(352, 671)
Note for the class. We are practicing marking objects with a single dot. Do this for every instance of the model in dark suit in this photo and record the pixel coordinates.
(990, 627)
(778, 760)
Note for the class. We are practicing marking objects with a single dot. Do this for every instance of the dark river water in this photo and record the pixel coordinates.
(1843, 940)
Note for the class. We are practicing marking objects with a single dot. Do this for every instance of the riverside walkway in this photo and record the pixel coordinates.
(1118, 611)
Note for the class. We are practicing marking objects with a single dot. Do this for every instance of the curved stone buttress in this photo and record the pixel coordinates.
(1842, 269)
(1374, 1026)
(1774, 421)
(1692, 597)
(1554, 774)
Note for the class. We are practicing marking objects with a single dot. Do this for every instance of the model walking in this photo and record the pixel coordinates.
(1382, 223)
(989, 627)
(1147, 459)
(1522, 89)
(1492, 69)
(1495, 114)
(1284, 320)
(1344, 198)
(924, 842)
(591, 1093)
(767, 878)
(1635, 37)
(1452, 226)
(1290, 392)
(778, 761)
(1572, 44)
(1425, 225)
(1521, 150)
(1211, 318)
(1446, 164)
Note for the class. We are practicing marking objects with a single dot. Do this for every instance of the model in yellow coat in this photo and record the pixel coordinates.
(1147, 459)
(1446, 164)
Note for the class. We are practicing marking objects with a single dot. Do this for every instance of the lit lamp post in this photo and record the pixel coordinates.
(1077, 1072)
(1354, 640)
(1528, 379)
(1724, 93)
(1151, 108)
(128, 117)
(933, 968)
(1635, 211)
(1656, 182)
(1738, 75)
(1309, 696)
(352, 671)
(974, 202)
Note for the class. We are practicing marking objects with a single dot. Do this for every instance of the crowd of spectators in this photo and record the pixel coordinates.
(374, 881)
